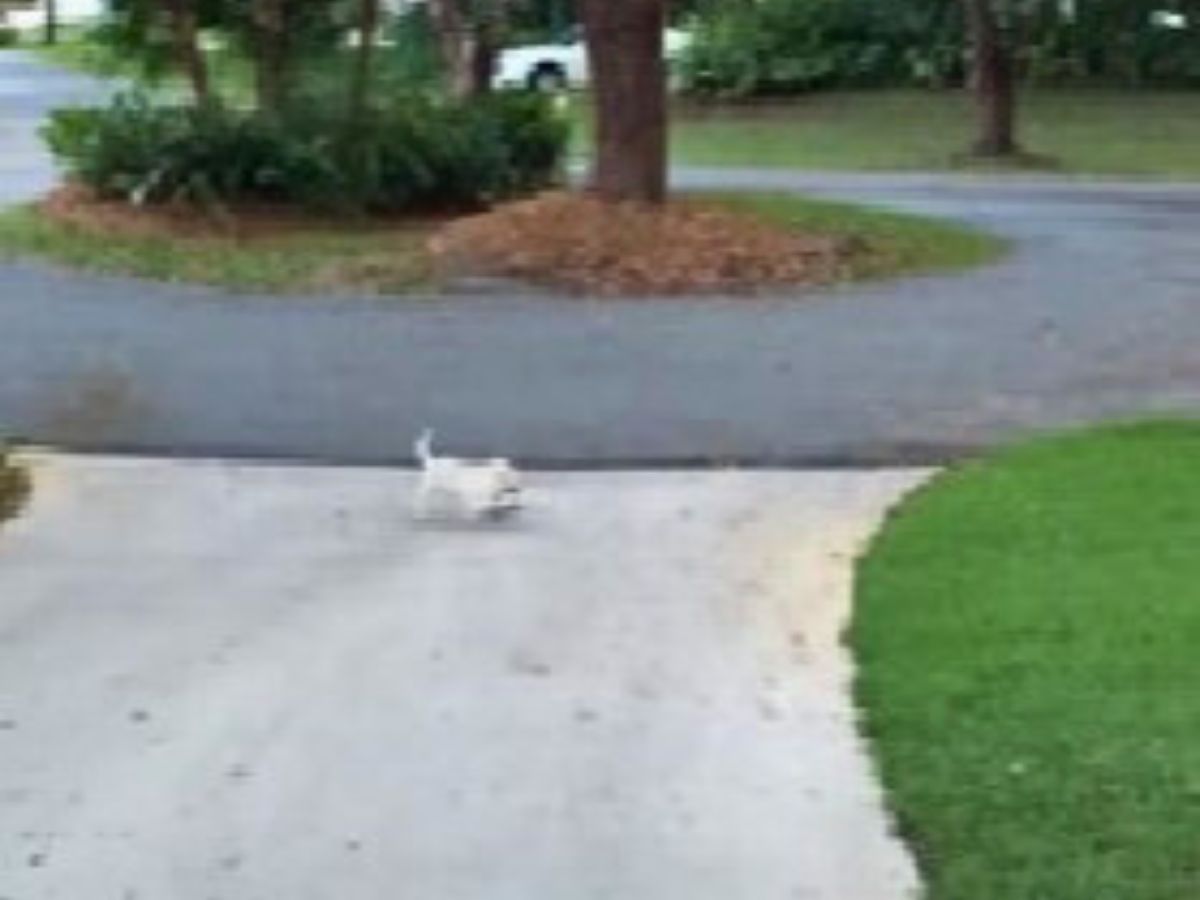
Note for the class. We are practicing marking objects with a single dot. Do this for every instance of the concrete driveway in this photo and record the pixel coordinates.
(249, 682)
(1094, 316)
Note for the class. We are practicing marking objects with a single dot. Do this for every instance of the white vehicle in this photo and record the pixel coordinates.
(555, 67)
(28, 15)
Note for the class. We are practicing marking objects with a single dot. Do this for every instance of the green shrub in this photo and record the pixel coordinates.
(413, 153)
(414, 57)
(9, 36)
(786, 46)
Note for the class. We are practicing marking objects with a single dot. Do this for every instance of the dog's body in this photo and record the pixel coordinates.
(482, 488)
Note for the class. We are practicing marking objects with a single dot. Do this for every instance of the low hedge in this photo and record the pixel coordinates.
(415, 153)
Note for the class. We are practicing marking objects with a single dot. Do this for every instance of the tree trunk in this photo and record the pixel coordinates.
(994, 81)
(454, 40)
(360, 91)
(469, 43)
(51, 34)
(485, 48)
(629, 85)
(271, 54)
(187, 49)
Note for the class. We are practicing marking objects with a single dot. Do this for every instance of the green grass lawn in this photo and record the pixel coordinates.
(1028, 635)
(339, 256)
(895, 243)
(230, 72)
(350, 255)
(1087, 131)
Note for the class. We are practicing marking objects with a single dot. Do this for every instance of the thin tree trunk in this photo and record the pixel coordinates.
(187, 49)
(994, 82)
(360, 91)
(629, 84)
(455, 41)
(51, 35)
(271, 53)
(469, 43)
(485, 48)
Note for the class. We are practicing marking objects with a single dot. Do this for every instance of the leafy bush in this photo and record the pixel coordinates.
(414, 57)
(9, 36)
(785, 46)
(413, 153)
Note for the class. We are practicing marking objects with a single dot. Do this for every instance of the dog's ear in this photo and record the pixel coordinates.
(423, 446)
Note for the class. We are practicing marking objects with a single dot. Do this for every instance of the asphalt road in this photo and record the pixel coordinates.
(253, 682)
(1095, 315)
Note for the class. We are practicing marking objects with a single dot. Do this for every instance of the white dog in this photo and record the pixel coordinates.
(483, 488)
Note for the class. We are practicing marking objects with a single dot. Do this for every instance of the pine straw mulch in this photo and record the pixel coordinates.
(588, 246)
(570, 241)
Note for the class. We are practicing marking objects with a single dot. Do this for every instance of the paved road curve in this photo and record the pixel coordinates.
(1096, 314)
(242, 683)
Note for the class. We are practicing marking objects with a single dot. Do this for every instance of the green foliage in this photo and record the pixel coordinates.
(785, 46)
(1115, 42)
(139, 30)
(320, 256)
(411, 153)
(413, 58)
(9, 37)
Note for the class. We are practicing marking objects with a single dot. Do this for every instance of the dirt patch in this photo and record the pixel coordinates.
(78, 207)
(14, 487)
(585, 245)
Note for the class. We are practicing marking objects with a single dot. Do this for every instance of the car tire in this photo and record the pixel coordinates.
(547, 80)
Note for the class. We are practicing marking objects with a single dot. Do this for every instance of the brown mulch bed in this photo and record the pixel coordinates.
(578, 242)
(79, 207)
(571, 241)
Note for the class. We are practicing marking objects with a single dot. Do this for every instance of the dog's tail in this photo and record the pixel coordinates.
(423, 446)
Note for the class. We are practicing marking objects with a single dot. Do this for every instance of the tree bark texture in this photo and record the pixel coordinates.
(994, 80)
(629, 86)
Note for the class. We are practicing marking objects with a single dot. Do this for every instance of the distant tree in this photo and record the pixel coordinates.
(469, 33)
(992, 28)
(629, 83)
(269, 21)
(188, 53)
(360, 85)
(51, 35)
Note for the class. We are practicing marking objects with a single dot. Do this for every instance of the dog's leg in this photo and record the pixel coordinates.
(422, 503)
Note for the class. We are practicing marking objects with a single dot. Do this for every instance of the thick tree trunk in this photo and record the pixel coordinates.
(994, 80)
(360, 90)
(629, 85)
(190, 57)
(271, 54)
